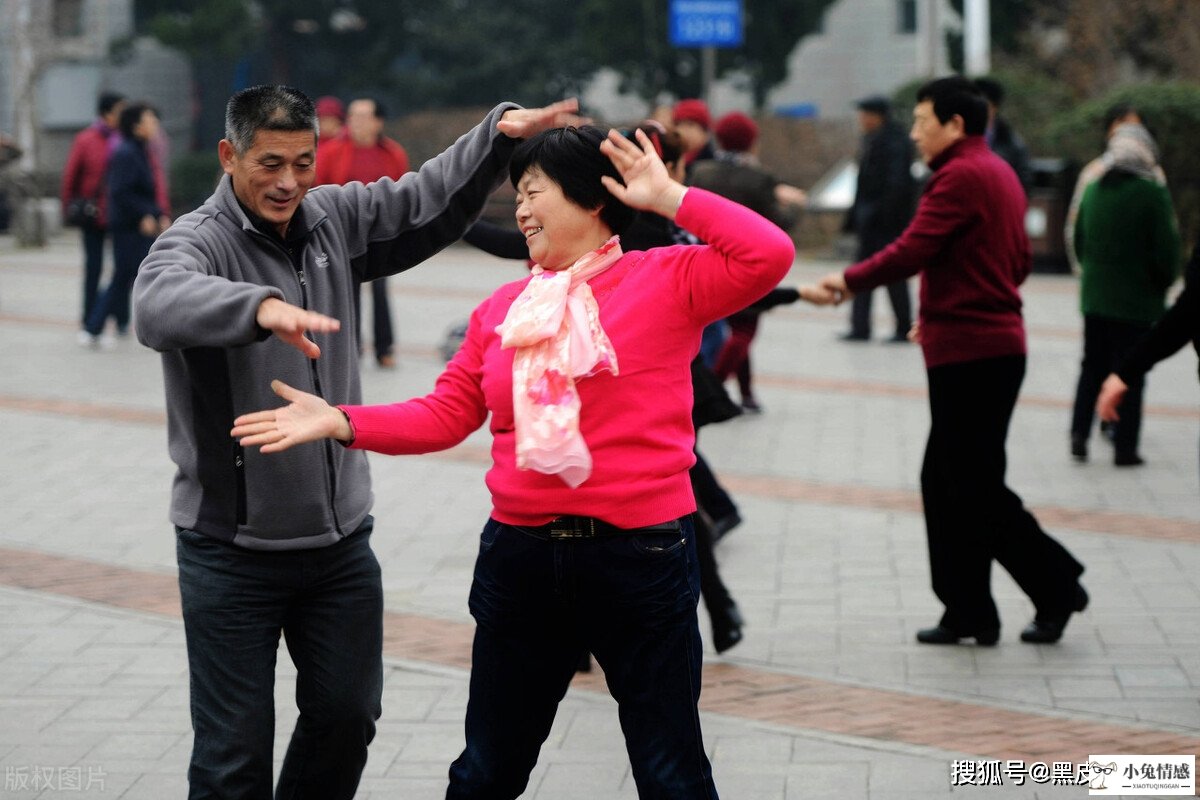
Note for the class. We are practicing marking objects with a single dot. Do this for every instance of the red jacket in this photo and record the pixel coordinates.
(335, 156)
(968, 241)
(83, 176)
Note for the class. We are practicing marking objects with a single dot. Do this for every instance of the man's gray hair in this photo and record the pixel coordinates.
(270, 108)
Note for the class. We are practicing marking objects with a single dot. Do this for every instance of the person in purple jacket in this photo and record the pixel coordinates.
(968, 243)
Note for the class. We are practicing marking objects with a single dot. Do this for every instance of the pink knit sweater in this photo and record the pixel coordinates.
(637, 424)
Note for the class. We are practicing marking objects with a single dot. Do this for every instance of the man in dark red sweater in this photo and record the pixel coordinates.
(969, 244)
(83, 178)
(362, 153)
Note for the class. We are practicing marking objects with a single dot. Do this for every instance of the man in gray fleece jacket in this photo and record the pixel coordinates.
(258, 283)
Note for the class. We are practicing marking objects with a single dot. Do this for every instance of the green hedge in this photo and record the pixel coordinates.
(193, 178)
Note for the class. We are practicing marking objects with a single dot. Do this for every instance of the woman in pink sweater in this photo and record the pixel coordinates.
(584, 369)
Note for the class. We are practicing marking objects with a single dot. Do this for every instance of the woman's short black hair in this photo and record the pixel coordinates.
(131, 115)
(571, 158)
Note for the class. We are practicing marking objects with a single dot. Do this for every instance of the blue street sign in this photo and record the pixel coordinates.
(706, 23)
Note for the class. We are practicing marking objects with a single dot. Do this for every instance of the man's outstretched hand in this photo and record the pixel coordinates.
(290, 323)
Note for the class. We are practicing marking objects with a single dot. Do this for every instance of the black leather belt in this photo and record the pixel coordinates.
(589, 527)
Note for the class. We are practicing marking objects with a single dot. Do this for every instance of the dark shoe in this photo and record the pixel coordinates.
(751, 406)
(1108, 430)
(855, 337)
(724, 525)
(943, 635)
(727, 625)
(1079, 450)
(1048, 628)
(386, 361)
(899, 338)
(1128, 460)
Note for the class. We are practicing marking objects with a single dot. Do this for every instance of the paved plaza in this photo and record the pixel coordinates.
(828, 696)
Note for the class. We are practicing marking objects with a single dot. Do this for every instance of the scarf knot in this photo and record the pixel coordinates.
(554, 325)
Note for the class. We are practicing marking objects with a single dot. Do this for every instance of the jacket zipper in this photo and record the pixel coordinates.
(328, 445)
(239, 468)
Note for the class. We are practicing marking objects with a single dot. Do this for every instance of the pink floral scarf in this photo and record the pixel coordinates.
(555, 326)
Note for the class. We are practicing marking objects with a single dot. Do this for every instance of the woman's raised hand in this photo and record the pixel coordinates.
(648, 186)
(306, 418)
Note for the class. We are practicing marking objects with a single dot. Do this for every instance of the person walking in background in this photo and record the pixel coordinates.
(582, 369)
(1173, 330)
(884, 198)
(1116, 116)
(716, 512)
(331, 117)
(1004, 141)
(362, 153)
(1127, 242)
(968, 243)
(83, 195)
(735, 173)
(252, 285)
(693, 123)
(134, 216)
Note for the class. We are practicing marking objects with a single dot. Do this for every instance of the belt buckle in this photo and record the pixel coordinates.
(570, 530)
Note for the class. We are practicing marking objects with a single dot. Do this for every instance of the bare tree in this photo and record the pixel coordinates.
(31, 43)
(1108, 42)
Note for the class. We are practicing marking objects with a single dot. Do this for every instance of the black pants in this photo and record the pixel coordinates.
(1106, 342)
(710, 494)
(971, 516)
(381, 318)
(328, 604)
(860, 310)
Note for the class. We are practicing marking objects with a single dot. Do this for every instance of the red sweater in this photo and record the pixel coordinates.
(83, 175)
(340, 161)
(637, 424)
(968, 241)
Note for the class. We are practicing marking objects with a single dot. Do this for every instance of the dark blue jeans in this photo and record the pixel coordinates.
(129, 249)
(328, 604)
(538, 606)
(93, 265)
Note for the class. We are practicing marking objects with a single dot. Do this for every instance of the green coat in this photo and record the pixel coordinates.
(1128, 247)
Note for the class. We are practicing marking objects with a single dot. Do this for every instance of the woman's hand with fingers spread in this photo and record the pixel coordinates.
(648, 185)
(306, 418)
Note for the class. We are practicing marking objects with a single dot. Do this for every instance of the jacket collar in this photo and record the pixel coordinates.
(964, 146)
(308, 215)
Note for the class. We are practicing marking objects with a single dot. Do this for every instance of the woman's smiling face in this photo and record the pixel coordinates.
(557, 231)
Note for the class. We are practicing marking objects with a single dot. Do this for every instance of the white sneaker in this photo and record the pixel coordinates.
(107, 341)
(85, 339)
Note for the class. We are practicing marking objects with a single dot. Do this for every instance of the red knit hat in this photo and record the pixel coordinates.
(330, 106)
(692, 111)
(736, 132)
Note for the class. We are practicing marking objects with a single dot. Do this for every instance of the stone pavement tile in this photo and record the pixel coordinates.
(579, 781)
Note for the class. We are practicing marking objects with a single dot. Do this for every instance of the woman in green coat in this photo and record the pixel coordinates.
(1127, 241)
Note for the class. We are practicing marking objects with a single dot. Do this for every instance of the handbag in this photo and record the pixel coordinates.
(82, 212)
